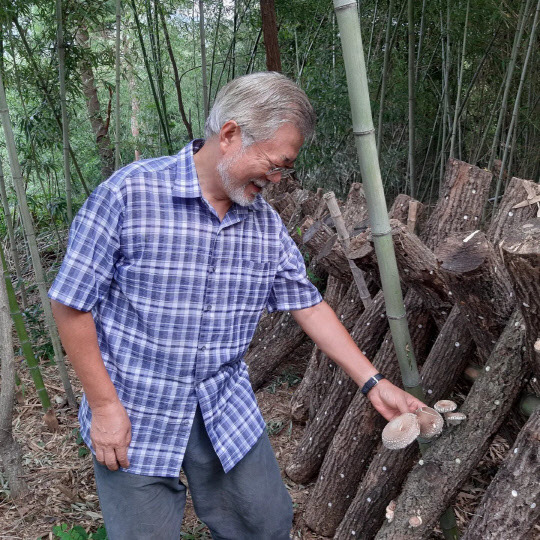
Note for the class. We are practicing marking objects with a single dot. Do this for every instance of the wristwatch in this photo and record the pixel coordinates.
(371, 382)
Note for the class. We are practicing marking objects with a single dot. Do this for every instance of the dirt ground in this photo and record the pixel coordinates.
(59, 471)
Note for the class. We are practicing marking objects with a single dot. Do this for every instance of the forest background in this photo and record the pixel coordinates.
(451, 79)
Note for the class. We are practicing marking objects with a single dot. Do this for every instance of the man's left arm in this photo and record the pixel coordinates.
(322, 325)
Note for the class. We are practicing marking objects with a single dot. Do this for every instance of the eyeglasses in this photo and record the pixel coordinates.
(285, 172)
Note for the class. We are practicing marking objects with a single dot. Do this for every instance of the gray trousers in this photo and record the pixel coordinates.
(250, 502)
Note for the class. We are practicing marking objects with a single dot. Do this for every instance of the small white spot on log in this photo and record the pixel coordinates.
(487, 368)
(341, 475)
(349, 393)
(347, 496)
(510, 214)
(420, 326)
(515, 450)
(274, 336)
(264, 347)
(450, 293)
(526, 305)
(318, 455)
(465, 217)
(497, 402)
(430, 391)
(368, 499)
(339, 382)
(421, 462)
(474, 190)
(353, 532)
(330, 505)
(456, 343)
(384, 468)
(443, 312)
(343, 316)
(514, 493)
(533, 505)
(352, 301)
(354, 438)
(368, 323)
(458, 461)
(311, 438)
(431, 272)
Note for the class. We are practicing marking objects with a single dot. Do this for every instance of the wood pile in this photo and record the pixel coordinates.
(472, 298)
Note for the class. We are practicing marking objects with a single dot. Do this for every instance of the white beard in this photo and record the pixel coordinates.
(237, 193)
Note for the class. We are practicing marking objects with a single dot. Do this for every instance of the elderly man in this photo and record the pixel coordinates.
(169, 265)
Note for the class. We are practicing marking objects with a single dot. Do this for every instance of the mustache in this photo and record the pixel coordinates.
(260, 182)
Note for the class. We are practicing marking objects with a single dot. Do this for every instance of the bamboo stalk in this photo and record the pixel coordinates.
(117, 87)
(460, 83)
(61, 51)
(343, 235)
(24, 341)
(203, 58)
(351, 39)
(516, 103)
(26, 217)
(11, 236)
(411, 79)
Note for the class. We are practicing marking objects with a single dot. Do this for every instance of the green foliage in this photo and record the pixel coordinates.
(77, 533)
(288, 377)
(83, 449)
(198, 532)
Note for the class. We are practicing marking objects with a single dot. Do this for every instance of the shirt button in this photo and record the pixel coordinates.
(208, 307)
(212, 269)
(202, 348)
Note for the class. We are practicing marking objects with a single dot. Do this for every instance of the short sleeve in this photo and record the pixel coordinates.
(291, 289)
(93, 249)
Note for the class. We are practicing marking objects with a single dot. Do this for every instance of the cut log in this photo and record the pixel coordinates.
(511, 505)
(355, 209)
(517, 192)
(389, 468)
(319, 367)
(368, 333)
(359, 433)
(480, 285)
(431, 485)
(460, 206)
(418, 267)
(272, 347)
(521, 252)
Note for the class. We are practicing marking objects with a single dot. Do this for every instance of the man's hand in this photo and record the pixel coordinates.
(111, 434)
(392, 401)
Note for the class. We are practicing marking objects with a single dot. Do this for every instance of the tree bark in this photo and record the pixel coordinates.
(320, 368)
(270, 33)
(308, 456)
(358, 433)
(459, 208)
(521, 252)
(10, 452)
(382, 481)
(100, 127)
(479, 284)
(510, 506)
(431, 486)
(517, 192)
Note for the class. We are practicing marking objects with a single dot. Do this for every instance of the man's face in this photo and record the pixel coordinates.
(244, 172)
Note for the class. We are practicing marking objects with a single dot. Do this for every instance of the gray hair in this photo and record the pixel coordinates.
(260, 103)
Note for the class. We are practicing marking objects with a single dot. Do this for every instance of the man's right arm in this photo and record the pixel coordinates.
(110, 431)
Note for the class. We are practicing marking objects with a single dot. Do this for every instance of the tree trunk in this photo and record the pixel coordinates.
(270, 33)
(521, 252)
(10, 452)
(320, 368)
(434, 482)
(358, 433)
(479, 284)
(509, 508)
(99, 126)
(308, 456)
(464, 193)
(519, 192)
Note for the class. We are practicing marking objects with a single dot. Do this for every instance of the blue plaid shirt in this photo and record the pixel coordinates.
(176, 296)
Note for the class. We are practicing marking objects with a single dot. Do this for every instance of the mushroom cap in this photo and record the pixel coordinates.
(455, 418)
(415, 521)
(445, 405)
(401, 431)
(431, 422)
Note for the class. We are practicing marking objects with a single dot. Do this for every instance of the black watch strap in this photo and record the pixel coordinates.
(371, 382)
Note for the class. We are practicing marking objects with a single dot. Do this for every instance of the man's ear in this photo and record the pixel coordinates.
(230, 137)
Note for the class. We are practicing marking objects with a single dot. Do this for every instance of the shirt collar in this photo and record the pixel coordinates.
(186, 184)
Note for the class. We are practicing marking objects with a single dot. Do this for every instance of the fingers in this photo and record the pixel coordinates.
(122, 458)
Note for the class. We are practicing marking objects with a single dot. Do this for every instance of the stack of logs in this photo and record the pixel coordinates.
(472, 299)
